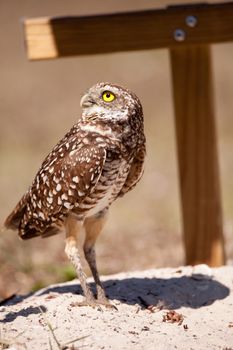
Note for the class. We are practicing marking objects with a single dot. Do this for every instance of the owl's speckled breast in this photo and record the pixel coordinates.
(109, 185)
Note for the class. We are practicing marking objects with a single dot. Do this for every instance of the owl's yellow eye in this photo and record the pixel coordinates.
(108, 96)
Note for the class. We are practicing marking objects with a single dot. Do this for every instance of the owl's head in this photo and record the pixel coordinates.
(110, 102)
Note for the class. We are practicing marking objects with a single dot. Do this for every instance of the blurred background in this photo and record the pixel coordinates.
(39, 102)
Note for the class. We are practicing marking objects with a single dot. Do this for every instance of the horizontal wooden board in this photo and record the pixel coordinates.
(66, 36)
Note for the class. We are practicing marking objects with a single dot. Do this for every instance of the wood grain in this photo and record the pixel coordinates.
(197, 154)
(66, 36)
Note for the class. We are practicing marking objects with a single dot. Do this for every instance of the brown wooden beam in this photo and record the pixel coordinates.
(197, 154)
(66, 36)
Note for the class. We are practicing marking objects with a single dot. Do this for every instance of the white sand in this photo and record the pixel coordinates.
(202, 295)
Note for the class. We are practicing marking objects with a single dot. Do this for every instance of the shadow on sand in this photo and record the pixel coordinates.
(173, 293)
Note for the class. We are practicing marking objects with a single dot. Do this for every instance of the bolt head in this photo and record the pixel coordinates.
(191, 21)
(179, 35)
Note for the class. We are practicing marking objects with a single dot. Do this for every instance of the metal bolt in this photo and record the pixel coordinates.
(179, 35)
(191, 21)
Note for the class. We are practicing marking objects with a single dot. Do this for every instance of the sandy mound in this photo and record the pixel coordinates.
(184, 308)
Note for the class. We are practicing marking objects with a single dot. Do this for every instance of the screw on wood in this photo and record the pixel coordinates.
(179, 35)
(191, 21)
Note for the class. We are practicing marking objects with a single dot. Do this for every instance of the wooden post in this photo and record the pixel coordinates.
(197, 154)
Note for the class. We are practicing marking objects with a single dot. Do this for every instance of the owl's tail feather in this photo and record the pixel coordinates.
(28, 232)
(15, 217)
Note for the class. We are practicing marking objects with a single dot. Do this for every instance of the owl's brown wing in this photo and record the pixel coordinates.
(59, 186)
(135, 172)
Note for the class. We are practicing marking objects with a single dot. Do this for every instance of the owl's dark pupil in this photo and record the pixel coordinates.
(108, 95)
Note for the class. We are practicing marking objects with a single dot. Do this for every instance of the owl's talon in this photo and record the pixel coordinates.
(105, 302)
(87, 302)
(95, 303)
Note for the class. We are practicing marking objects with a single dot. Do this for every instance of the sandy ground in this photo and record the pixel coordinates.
(201, 298)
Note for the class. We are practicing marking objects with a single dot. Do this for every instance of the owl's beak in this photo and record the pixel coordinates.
(86, 101)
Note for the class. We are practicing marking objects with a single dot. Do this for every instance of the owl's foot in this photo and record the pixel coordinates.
(95, 303)
(87, 302)
(102, 300)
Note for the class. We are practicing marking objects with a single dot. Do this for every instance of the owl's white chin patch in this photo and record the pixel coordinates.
(105, 113)
(94, 109)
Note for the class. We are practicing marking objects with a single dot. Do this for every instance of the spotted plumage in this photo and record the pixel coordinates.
(100, 159)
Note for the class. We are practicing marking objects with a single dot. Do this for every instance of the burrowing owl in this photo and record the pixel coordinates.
(98, 160)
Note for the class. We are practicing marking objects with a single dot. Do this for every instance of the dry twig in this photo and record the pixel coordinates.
(173, 317)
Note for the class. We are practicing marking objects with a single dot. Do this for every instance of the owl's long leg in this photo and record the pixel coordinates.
(93, 226)
(73, 228)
